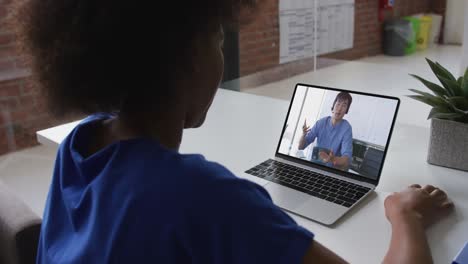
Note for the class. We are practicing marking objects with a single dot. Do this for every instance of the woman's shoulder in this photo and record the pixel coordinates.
(214, 188)
(198, 164)
(198, 186)
(187, 173)
(207, 175)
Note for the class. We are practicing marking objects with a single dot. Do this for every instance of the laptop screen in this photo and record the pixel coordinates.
(342, 130)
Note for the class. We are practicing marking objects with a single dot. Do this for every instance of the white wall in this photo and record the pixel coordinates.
(464, 60)
(301, 110)
(454, 18)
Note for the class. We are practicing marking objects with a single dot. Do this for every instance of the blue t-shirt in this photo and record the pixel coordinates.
(337, 138)
(135, 201)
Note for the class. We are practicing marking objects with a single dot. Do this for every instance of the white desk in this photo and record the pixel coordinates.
(242, 130)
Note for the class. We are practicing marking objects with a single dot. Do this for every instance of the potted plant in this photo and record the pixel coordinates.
(448, 144)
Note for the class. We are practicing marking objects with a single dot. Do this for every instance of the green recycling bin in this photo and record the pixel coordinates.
(412, 43)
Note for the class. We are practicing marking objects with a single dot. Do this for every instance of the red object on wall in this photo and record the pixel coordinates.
(383, 6)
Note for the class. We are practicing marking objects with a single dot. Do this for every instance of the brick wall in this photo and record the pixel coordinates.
(259, 41)
(438, 6)
(22, 108)
(8, 58)
(22, 113)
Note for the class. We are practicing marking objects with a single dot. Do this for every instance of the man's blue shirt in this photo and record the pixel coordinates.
(338, 138)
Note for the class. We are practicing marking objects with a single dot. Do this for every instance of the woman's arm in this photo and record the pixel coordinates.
(408, 243)
(409, 213)
(319, 254)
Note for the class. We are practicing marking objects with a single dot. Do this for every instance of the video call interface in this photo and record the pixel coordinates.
(341, 130)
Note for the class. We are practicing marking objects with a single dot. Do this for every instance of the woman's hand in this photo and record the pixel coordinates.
(427, 204)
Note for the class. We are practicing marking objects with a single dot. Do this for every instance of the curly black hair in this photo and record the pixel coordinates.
(104, 56)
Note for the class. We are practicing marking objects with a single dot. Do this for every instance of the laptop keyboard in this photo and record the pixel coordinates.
(318, 185)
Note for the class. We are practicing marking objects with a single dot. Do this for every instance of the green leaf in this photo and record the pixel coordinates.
(440, 70)
(449, 116)
(439, 110)
(437, 89)
(461, 112)
(459, 102)
(451, 86)
(458, 110)
(422, 93)
(447, 73)
(464, 84)
(431, 100)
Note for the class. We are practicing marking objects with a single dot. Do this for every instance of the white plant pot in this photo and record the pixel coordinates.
(448, 144)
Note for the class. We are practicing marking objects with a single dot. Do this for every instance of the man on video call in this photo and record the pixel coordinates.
(333, 133)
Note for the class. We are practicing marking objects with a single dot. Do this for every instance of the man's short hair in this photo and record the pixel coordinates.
(343, 96)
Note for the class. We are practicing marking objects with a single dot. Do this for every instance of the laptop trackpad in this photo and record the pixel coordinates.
(304, 204)
(285, 197)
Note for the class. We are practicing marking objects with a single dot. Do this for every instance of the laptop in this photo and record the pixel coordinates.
(331, 151)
